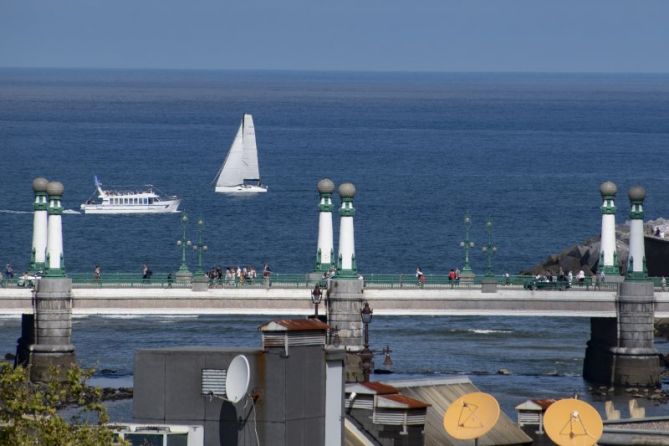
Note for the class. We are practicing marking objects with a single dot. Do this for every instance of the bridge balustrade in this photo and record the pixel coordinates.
(288, 280)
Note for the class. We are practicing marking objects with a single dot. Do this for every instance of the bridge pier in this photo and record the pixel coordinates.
(53, 328)
(53, 300)
(621, 351)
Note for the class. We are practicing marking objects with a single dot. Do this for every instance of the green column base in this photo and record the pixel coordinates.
(467, 275)
(55, 272)
(346, 274)
(612, 270)
(637, 276)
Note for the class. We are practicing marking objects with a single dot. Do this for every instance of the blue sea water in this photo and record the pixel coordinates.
(528, 150)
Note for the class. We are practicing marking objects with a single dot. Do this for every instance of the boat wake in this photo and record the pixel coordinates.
(487, 331)
(11, 211)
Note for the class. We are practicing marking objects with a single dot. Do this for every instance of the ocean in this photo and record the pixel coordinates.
(527, 150)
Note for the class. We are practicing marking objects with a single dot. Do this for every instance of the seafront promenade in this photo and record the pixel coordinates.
(291, 296)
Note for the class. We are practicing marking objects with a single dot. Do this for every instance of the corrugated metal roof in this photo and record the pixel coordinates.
(294, 325)
(440, 394)
(399, 402)
(541, 405)
(371, 388)
(545, 403)
(353, 436)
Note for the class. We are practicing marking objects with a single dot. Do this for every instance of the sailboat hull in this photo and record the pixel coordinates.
(241, 189)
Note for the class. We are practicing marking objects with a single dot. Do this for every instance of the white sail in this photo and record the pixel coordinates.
(250, 158)
(242, 161)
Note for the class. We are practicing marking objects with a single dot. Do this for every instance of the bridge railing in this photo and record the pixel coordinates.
(306, 280)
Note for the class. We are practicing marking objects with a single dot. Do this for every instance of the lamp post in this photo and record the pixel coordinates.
(199, 247)
(366, 355)
(183, 243)
(489, 249)
(467, 273)
(316, 297)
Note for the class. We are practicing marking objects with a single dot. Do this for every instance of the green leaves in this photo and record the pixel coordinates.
(31, 413)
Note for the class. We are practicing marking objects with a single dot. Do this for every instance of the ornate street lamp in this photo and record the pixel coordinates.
(199, 247)
(316, 297)
(489, 249)
(183, 243)
(467, 273)
(366, 355)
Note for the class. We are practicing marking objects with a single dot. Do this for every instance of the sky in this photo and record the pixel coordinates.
(349, 35)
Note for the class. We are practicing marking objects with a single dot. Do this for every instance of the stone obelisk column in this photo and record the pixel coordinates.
(53, 299)
(608, 255)
(621, 351)
(635, 357)
(38, 258)
(325, 250)
(345, 293)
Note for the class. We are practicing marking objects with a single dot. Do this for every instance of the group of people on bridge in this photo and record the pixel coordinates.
(237, 276)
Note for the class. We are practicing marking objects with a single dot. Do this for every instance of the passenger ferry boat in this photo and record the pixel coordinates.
(128, 202)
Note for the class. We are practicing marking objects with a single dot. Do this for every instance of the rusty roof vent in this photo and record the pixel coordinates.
(285, 333)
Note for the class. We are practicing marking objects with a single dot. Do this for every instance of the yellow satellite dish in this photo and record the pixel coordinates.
(571, 422)
(471, 416)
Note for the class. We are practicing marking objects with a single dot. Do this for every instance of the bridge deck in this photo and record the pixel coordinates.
(464, 301)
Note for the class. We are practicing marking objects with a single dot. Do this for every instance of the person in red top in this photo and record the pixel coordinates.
(451, 276)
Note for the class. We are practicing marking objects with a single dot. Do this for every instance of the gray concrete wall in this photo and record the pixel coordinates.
(289, 411)
(387, 435)
(167, 389)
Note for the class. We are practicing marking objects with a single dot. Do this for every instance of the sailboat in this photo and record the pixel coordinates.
(240, 172)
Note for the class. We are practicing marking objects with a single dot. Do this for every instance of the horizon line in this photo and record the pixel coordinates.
(342, 71)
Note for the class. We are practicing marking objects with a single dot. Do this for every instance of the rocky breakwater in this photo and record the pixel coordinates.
(585, 255)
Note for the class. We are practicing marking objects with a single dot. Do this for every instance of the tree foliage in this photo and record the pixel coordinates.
(32, 414)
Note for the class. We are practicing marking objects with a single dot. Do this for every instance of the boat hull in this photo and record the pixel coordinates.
(163, 207)
(241, 189)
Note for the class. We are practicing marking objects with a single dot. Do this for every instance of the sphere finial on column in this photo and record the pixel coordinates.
(325, 186)
(637, 194)
(347, 191)
(39, 184)
(608, 189)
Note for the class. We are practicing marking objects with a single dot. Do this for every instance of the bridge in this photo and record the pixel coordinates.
(289, 294)
(621, 309)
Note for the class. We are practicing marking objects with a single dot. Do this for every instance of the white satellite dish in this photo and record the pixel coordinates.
(237, 379)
